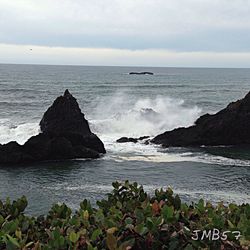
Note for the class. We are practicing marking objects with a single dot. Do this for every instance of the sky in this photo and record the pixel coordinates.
(171, 33)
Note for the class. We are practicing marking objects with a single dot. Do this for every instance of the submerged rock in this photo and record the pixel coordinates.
(65, 134)
(230, 126)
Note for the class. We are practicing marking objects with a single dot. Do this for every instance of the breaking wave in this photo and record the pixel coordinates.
(145, 116)
(16, 132)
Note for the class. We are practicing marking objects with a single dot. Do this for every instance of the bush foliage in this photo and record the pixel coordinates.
(128, 219)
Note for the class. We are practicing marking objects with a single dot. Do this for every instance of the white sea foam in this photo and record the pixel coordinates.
(220, 160)
(146, 116)
(213, 195)
(17, 132)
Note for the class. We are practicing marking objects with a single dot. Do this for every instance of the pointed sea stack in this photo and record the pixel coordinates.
(65, 116)
(230, 126)
(65, 134)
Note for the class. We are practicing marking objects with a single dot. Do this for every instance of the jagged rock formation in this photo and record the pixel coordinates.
(230, 126)
(65, 116)
(65, 134)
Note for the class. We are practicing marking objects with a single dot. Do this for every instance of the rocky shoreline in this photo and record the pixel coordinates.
(65, 133)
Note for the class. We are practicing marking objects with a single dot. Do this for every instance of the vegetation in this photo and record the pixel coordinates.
(128, 219)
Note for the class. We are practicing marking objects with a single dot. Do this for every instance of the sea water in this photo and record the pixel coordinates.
(117, 104)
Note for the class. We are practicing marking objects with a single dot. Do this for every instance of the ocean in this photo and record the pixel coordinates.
(115, 104)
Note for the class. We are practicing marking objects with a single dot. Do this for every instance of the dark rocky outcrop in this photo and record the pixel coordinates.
(65, 134)
(141, 73)
(65, 116)
(130, 139)
(230, 126)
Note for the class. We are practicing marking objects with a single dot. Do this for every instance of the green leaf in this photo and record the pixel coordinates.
(86, 215)
(177, 202)
(13, 241)
(29, 244)
(201, 205)
(127, 244)
(116, 185)
(189, 247)
(141, 229)
(96, 234)
(231, 225)
(167, 213)
(149, 223)
(128, 221)
(1, 220)
(18, 234)
(10, 227)
(173, 244)
(90, 247)
(73, 237)
(247, 211)
(218, 221)
(61, 241)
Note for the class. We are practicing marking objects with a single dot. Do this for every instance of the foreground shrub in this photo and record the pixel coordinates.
(128, 219)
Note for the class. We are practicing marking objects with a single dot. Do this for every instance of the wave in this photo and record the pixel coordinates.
(145, 116)
(20, 132)
(185, 194)
(155, 154)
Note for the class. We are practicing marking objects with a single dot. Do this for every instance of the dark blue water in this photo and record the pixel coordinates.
(114, 102)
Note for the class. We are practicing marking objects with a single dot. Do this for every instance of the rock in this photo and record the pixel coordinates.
(143, 138)
(129, 139)
(48, 147)
(65, 116)
(12, 153)
(65, 134)
(230, 126)
(141, 73)
(91, 141)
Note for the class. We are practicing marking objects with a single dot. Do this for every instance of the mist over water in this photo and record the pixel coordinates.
(117, 104)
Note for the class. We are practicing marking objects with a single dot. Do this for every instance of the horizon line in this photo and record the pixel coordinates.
(123, 66)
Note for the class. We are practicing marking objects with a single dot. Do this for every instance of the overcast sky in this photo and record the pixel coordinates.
(212, 33)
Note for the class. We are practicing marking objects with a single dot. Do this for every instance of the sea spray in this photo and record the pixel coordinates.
(122, 116)
(17, 132)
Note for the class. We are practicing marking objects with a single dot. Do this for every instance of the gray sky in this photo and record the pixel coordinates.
(213, 33)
